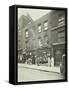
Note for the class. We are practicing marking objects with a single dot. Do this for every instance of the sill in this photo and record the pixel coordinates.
(45, 30)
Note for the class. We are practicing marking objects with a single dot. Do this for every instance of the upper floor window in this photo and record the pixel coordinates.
(61, 36)
(39, 28)
(45, 25)
(27, 34)
(46, 40)
(40, 42)
(61, 20)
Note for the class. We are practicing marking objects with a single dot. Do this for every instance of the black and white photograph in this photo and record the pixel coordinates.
(41, 44)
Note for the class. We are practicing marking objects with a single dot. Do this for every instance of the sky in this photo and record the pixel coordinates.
(34, 13)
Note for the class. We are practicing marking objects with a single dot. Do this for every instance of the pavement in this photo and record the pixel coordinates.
(41, 67)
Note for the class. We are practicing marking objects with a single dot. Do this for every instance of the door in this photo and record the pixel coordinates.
(58, 57)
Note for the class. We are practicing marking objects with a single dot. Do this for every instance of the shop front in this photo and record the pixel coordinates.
(42, 56)
(58, 51)
(30, 56)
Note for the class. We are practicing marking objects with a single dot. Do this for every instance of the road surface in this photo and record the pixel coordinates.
(27, 74)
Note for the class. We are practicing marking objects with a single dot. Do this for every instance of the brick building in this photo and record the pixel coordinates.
(46, 35)
(22, 22)
(58, 31)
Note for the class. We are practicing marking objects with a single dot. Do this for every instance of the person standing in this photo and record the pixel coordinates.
(33, 59)
(38, 60)
(52, 61)
(49, 61)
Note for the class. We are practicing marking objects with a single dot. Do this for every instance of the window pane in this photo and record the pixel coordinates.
(26, 33)
(45, 40)
(40, 42)
(61, 20)
(39, 28)
(45, 25)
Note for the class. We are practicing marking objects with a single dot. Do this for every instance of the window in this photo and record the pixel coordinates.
(27, 34)
(46, 40)
(61, 21)
(61, 36)
(39, 28)
(40, 42)
(45, 25)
